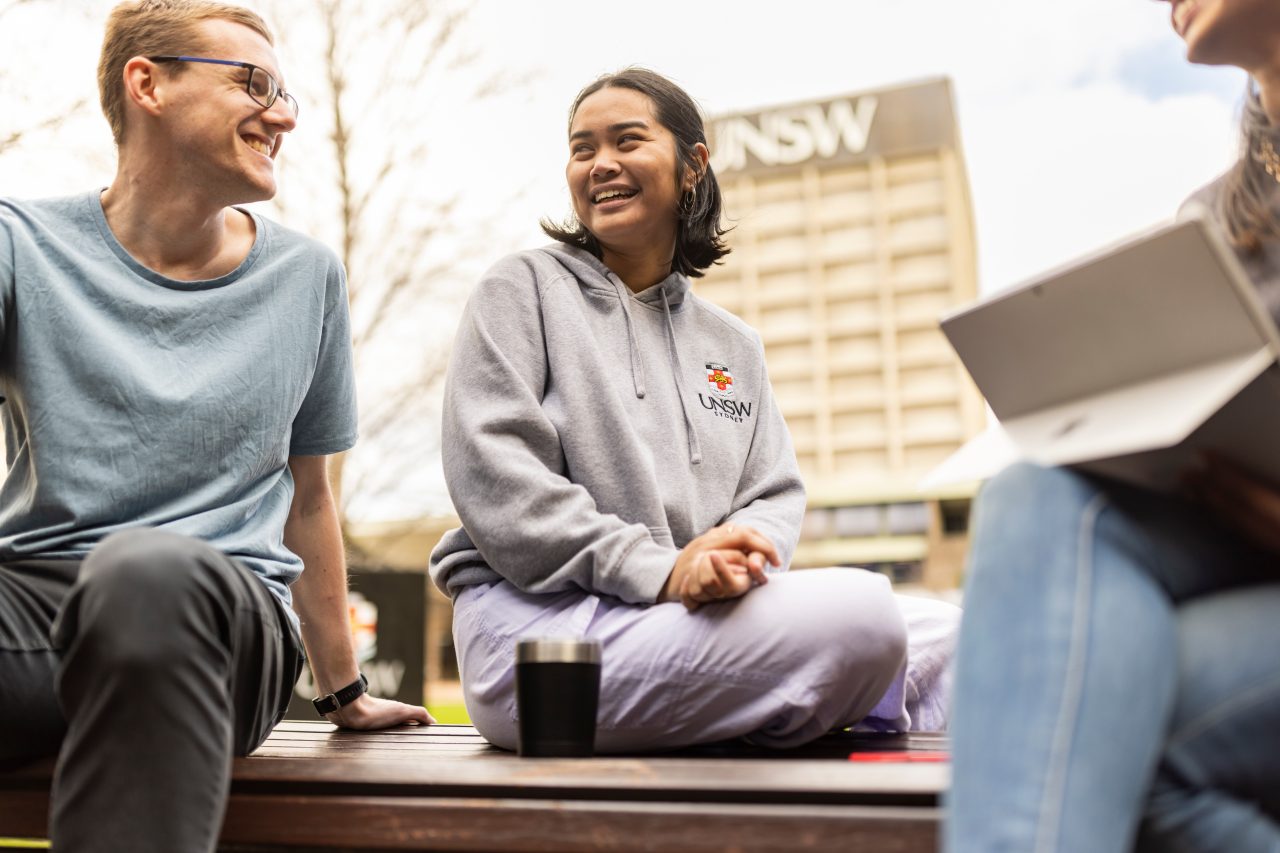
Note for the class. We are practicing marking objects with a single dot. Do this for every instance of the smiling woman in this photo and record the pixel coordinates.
(640, 178)
(622, 473)
(620, 171)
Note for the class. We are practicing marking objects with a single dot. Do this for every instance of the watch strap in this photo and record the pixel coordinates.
(339, 698)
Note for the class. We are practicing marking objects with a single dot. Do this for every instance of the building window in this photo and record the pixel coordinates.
(908, 572)
(906, 519)
(955, 516)
(853, 521)
(816, 524)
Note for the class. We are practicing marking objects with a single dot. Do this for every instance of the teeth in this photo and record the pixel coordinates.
(608, 194)
(257, 145)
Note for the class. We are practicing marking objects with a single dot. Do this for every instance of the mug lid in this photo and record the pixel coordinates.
(557, 650)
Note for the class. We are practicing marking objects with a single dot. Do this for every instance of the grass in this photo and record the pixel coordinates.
(456, 713)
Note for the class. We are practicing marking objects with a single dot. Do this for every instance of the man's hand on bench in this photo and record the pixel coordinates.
(370, 712)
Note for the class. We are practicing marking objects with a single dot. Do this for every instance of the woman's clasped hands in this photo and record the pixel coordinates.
(723, 563)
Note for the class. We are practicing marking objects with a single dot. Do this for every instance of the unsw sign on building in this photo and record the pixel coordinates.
(882, 123)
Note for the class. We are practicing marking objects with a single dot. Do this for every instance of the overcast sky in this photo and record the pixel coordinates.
(1080, 121)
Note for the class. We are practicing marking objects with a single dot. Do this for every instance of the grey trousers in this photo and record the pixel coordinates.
(145, 669)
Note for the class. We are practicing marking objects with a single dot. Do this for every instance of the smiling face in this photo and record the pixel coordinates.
(622, 173)
(1243, 33)
(226, 141)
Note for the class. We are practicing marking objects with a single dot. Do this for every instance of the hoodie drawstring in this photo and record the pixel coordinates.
(633, 346)
(695, 447)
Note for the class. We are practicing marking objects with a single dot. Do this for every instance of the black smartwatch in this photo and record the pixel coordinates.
(332, 702)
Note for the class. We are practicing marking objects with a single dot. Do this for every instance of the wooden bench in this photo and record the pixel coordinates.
(313, 787)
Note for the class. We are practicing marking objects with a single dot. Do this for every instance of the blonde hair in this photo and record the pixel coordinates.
(153, 27)
(1248, 189)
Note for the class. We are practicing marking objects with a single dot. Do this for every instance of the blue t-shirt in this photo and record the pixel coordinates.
(135, 400)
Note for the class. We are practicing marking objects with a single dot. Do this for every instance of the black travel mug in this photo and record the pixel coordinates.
(557, 695)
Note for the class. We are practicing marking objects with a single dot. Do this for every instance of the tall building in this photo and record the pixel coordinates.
(853, 232)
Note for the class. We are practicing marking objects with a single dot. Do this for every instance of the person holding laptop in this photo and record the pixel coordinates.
(1116, 680)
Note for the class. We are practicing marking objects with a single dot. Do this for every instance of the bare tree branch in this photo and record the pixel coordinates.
(49, 124)
(6, 8)
(361, 204)
(406, 276)
(26, 100)
(391, 419)
(382, 76)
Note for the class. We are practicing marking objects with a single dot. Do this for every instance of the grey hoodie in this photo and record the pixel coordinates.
(590, 433)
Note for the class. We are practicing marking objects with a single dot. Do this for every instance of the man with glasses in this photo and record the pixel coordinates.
(177, 370)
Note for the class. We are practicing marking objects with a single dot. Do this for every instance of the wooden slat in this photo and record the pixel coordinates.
(505, 775)
(293, 728)
(325, 759)
(324, 736)
(568, 827)
(381, 750)
(409, 737)
(393, 823)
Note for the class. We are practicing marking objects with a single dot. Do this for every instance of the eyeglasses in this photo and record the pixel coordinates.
(261, 86)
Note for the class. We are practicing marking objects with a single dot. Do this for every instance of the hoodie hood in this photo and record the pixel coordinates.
(594, 275)
(668, 294)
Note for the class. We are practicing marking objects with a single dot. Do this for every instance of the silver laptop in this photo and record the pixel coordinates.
(1129, 361)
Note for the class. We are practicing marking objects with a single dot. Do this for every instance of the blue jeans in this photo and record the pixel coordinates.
(1117, 678)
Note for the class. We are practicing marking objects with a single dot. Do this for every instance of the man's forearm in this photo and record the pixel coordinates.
(320, 593)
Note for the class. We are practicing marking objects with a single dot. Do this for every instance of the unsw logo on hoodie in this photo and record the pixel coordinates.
(719, 401)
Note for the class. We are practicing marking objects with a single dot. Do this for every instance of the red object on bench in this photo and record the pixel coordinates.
(901, 755)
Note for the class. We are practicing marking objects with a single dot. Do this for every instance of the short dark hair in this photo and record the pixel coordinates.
(699, 236)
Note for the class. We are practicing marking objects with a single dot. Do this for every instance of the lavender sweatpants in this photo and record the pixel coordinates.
(810, 651)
